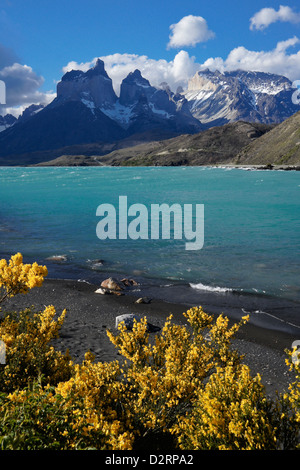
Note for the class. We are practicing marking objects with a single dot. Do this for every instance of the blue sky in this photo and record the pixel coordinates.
(167, 40)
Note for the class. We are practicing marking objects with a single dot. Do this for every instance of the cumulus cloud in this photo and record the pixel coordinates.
(189, 31)
(118, 66)
(277, 61)
(178, 71)
(22, 84)
(266, 16)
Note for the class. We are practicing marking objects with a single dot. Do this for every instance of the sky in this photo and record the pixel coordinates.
(168, 40)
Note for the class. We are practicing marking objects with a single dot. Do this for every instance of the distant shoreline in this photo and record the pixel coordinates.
(82, 161)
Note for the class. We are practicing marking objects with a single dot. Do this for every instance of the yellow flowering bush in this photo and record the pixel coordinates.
(294, 389)
(163, 378)
(183, 388)
(289, 404)
(230, 413)
(16, 277)
(27, 337)
(37, 419)
(102, 392)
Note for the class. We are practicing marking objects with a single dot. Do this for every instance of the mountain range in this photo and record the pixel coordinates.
(87, 110)
(218, 98)
(235, 144)
(88, 118)
(209, 147)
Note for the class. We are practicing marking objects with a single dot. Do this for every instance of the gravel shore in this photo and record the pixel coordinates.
(89, 315)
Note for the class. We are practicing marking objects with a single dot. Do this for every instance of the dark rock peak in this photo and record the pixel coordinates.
(164, 86)
(93, 86)
(98, 69)
(133, 86)
(8, 119)
(31, 110)
(136, 78)
(72, 75)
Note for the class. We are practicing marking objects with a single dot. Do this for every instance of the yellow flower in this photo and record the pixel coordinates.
(16, 277)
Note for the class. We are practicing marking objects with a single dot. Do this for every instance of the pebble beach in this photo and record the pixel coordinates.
(90, 314)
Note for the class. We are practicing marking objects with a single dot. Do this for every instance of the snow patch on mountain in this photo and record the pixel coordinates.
(268, 89)
(216, 98)
(198, 96)
(160, 112)
(89, 104)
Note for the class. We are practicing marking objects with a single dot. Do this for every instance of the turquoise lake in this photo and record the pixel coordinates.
(251, 225)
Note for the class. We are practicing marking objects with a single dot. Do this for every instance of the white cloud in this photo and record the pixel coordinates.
(189, 31)
(266, 16)
(22, 84)
(275, 61)
(118, 66)
(22, 88)
(178, 71)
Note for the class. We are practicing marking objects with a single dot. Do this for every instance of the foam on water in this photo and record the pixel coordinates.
(252, 227)
(201, 286)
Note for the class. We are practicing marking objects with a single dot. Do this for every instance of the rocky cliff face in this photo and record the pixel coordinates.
(217, 98)
(7, 121)
(93, 87)
(139, 108)
(87, 110)
(133, 87)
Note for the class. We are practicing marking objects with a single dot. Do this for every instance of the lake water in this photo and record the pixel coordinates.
(251, 226)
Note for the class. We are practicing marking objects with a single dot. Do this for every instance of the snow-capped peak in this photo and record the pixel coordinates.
(216, 98)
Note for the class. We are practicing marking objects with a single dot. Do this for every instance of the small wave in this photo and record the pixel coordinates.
(201, 286)
(274, 317)
(95, 263)
(84, 281)
(257, 291)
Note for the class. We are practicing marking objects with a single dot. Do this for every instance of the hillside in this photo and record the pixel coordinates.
(280, 146)
(216, 145)
(87, 118)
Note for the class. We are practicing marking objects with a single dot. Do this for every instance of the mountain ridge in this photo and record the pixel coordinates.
(213, 146)
(87, 110)
(281, 146)
(217, 98)
(238, 144)
(87, 117)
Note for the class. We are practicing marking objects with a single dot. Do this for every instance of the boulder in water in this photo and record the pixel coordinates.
(111, 284)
